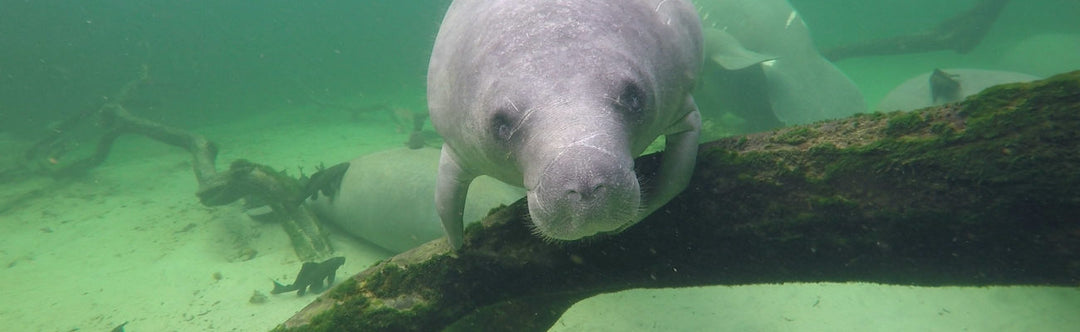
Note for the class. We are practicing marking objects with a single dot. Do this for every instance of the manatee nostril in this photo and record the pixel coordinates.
(573, 195)
(585, 192)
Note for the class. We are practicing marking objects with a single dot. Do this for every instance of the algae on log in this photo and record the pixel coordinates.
(977, 193)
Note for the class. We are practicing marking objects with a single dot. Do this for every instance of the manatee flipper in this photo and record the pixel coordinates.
(677, 164)
(807, 89)
(743, 92)
(723, 49)
(451, 187)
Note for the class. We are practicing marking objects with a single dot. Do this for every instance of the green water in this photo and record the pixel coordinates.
(218, 60)
(280, 82)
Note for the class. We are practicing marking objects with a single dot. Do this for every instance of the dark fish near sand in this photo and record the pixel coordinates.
(311, 276)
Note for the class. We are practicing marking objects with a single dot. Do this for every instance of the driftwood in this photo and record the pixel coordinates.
(244, 179)
(119, 122)
(977, 193)
(113, 121)
(960, 33)
(283, 194)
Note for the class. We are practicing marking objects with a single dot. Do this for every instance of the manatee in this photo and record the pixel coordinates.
(796, 84)
(386, 198)
(918, 92)
(559, 97)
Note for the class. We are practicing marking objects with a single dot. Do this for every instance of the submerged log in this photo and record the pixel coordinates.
(112, 120)
(283, 194)
(983, 192)
(960, 33)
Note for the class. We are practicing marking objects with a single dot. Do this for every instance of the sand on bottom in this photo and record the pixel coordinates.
(828, 307)
(129, 242)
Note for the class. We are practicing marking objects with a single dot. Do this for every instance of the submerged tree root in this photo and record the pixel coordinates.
(243, 180)
(977, 193)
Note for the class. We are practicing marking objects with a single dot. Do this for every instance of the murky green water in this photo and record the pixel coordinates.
(296, 83)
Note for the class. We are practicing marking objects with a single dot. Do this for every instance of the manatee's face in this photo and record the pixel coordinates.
(585, 190)
(574, 146)
(559, 96)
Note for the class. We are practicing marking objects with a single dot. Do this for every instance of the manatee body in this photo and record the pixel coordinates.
(558, 97)
(386, 199)
(763, 65)
(916, 92)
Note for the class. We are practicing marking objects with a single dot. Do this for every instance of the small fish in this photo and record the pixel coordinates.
(326, 181)
(311, 276)
(119, 328)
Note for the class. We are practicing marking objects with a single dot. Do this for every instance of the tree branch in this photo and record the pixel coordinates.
(960, 33)
(284, 195)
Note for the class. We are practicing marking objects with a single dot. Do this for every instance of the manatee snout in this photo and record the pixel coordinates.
(582, 192)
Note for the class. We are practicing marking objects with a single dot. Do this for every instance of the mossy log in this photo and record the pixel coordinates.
(983, 192)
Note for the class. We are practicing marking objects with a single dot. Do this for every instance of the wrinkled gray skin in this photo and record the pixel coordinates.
(559, 97)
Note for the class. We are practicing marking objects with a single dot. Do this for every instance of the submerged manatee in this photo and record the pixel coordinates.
(559, 97)
(796, 84)
(386, 198)
(918, 92)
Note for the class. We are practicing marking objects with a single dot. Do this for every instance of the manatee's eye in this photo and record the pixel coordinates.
(631, 100)
(501, 126)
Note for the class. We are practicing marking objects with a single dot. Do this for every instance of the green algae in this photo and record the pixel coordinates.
(902, 123)
(795, 136)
